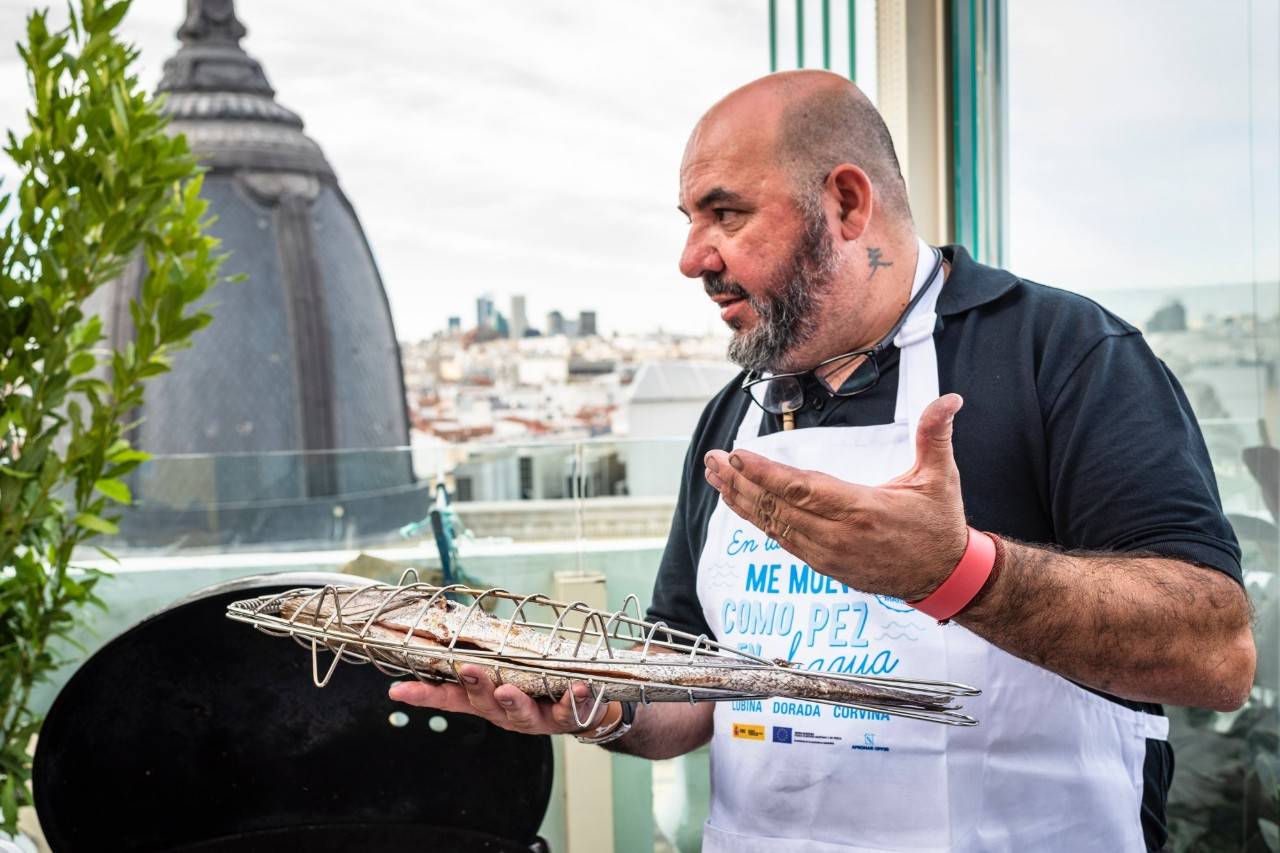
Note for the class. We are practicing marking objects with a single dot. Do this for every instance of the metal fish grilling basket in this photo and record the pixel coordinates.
(543, 646)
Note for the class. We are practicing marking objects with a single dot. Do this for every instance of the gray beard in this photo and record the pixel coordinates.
(789, 319)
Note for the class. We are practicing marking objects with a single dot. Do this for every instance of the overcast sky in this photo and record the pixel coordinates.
(1144, 142)
(532, 146)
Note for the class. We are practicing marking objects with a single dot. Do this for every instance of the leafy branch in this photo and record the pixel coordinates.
(102, 183)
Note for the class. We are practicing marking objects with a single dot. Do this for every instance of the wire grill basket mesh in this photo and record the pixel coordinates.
(544, 645)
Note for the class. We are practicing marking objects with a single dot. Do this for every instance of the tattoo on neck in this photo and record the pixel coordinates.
(873, 257)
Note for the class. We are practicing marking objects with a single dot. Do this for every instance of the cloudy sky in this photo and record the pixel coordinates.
(1144, 142)
(531, 146)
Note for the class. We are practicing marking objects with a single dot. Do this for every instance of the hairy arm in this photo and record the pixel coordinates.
(1150, 629)
(665, 730)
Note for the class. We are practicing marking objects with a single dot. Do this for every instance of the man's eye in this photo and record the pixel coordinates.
(724, 214)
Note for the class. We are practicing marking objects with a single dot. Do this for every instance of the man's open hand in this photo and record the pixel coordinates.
(505, 706)
(901, 538)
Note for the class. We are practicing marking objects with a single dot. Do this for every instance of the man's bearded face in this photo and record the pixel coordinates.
(788, 305)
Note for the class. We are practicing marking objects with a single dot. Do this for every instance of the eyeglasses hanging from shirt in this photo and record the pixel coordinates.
(784, 394)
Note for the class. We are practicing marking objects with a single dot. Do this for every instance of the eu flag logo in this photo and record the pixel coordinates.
(781, 734)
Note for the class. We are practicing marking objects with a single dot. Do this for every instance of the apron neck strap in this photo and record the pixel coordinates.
(918, 363)
(924, 318)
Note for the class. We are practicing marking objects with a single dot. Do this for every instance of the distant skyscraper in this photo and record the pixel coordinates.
(555, 323)
(501, 326)
(485, 312)
(586, 324)
(519, 321)
(455, 325)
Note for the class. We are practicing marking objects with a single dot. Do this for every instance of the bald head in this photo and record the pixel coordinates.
(809, 122)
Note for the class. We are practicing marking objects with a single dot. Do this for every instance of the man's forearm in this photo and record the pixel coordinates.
(665, 730)
(1149, 629)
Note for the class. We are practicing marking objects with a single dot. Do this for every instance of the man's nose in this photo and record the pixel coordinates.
(699, 257)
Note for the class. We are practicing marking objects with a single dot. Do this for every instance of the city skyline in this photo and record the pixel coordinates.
(1200, 304)
(515, 323)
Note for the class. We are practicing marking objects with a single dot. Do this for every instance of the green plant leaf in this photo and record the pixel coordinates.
(82, 363)
(97, 524)
(117, 490)
(129, 455)
(9, 801)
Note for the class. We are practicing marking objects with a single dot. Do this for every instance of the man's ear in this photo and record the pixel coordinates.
(852, 190)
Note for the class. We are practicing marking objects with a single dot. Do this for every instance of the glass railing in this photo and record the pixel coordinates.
(350, 499)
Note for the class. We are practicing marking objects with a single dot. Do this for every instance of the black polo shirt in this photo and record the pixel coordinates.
(1072, 433)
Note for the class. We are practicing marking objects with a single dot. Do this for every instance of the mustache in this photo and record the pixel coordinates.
(715, 284)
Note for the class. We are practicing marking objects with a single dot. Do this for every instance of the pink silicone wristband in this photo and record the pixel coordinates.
(965, 580)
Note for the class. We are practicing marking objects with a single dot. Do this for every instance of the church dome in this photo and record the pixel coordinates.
(285, 407)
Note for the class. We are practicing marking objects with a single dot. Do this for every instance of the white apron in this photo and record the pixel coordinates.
(1051, 767)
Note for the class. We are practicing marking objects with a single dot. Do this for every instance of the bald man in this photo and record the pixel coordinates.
(1058, 542)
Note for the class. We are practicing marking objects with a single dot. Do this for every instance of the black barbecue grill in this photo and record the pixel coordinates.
(190, 734)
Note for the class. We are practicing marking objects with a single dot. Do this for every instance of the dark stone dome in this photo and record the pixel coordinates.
(291, 397)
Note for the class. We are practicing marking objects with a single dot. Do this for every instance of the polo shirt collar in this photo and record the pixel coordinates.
(971, 284)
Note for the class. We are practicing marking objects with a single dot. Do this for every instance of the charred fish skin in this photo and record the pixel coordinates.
(430, 635)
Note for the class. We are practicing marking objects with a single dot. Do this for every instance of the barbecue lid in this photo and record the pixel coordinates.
(190, 727)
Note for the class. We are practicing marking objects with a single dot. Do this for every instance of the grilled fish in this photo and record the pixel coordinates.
(428, 634)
